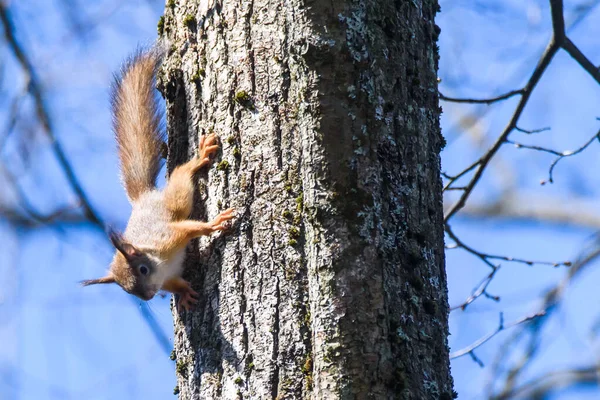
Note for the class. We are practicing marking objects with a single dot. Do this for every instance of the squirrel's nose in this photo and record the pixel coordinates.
(149, 295)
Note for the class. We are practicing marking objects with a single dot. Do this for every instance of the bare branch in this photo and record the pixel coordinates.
(537, 148)
(469, 349)
(486, 257)
(560, 154)
(532, 131)
(558, 21)
(581, 59)
(480, 290)
(460, 244)
(569, 154)
(483, 101)
(454, 178)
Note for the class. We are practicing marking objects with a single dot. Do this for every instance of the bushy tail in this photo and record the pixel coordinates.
(137, 121)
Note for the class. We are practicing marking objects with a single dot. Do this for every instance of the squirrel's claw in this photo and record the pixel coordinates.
(187, 298)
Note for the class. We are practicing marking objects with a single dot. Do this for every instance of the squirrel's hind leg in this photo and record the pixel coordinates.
(179, 192)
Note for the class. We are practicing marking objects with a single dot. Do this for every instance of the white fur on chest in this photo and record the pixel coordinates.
(168, 269)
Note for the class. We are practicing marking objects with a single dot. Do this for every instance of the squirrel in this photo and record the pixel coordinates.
(150, 253)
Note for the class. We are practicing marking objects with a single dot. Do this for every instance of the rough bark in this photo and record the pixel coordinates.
(331, 284)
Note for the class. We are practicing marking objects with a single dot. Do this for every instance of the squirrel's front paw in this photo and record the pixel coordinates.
(207, 146)
(220, 221)
(187, 298)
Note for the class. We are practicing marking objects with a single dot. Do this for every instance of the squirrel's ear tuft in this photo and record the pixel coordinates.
(115, 238)
(127, 249)
(105, 279)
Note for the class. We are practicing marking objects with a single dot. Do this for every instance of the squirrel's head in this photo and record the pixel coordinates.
(132, 269)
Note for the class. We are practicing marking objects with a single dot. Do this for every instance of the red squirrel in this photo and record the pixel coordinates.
(150, 253)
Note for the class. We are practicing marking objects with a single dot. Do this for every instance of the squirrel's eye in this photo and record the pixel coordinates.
(144, 270)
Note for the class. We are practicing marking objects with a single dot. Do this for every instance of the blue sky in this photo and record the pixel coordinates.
(62, 342)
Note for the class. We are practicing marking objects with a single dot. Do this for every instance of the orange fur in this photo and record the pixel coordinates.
(136, 122)
(184, 231)
(179, 192)
(181, 232)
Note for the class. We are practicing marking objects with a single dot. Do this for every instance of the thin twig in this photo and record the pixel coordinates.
(459, 243)
(12, 120)
(483, 101)
(485, 257)
(480, 290)
(569, 154)
(560, 154)
(531, 147)
(501, 326)
(454, 178)
(532, 131)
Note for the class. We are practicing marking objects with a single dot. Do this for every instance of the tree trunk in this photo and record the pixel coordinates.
(331, 284)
